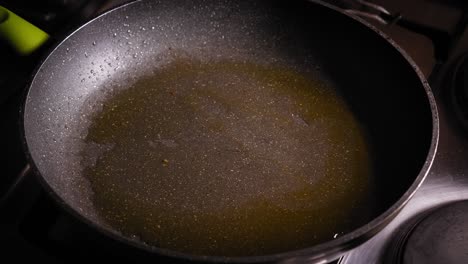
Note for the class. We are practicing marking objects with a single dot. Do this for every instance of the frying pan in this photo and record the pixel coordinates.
(380, 84)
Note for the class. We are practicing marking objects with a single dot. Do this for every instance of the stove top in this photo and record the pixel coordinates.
(33, 227)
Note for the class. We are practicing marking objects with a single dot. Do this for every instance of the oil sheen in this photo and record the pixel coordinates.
(229, 158)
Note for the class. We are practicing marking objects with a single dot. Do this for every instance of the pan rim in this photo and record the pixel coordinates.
(326, 251)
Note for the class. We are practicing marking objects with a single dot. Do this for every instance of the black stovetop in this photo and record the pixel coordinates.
(33, 227)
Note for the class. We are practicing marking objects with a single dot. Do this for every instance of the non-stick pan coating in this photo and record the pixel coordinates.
(382, 88)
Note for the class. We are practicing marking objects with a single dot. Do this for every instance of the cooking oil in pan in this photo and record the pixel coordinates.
(230, 159)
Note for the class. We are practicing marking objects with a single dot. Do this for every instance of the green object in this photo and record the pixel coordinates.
(23, 36)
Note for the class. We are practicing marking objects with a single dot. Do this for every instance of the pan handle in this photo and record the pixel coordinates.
(21, 35)
(379, 14)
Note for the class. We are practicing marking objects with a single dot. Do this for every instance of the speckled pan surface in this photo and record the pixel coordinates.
(116, 49)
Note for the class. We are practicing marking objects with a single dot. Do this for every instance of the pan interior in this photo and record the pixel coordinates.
(228, 158)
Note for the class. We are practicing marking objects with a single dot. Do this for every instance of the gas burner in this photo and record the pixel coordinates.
(435, 235)
(395, 250)
(441, 237)
(459, 91)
